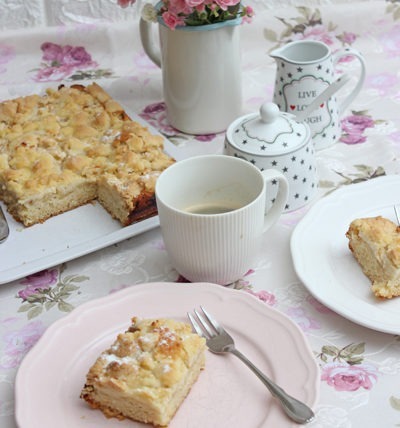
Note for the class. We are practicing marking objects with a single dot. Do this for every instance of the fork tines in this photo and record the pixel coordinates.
(397, 214)
(203, 323)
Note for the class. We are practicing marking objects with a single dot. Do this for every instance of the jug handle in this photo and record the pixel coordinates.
(148, 43)
(350, 98)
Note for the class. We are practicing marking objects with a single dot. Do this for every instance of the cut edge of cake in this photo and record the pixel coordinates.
(375, 244)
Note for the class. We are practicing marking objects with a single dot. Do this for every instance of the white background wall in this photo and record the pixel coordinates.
(35, 13)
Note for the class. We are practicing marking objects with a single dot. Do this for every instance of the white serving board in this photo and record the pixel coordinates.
(69, 235)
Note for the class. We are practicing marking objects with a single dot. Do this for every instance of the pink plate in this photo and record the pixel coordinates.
(226, 394)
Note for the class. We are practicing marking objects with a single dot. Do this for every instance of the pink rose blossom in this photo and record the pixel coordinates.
(318, 306)
(263, 295)
(194, 3)
(18, 342)
(7, 53)
(382, 82)
(302, 319)
(390, 41)
(125, 3)
(317, 32)
(52, 52)
(38, 281)
(172, 21)
(224, 4)
(345, 377)
(349, 38)
(53, 74)
(76, 56)
(205, 137)
(353, 127)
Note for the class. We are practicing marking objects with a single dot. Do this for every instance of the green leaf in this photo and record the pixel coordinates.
(354, 360)
(69, 288)
(270, 35)
(395, 402)
(34, 312)
(25, 307)
(354, 348)
(49, 304)
(65, 307)
(330, 350)
(396, 14)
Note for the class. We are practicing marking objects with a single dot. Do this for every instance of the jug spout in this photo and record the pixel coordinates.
(278, 53)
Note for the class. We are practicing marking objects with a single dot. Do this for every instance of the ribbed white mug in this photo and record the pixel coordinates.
(212, 212)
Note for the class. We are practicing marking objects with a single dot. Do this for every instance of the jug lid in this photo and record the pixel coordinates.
(269, 132)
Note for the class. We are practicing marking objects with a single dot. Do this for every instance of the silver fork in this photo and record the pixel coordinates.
(219, 341)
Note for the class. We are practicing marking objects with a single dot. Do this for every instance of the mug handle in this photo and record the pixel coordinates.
(350, 98)
(148, 43)
(273, 214)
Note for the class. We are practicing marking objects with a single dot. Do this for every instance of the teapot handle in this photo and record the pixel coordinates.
(147, 38)
(350, 98)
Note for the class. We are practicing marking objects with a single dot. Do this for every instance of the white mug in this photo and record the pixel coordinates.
(212, 212)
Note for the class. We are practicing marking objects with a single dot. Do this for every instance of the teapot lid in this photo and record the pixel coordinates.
(271, 132)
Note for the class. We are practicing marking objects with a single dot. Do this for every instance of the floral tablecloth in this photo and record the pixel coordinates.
(360, 367)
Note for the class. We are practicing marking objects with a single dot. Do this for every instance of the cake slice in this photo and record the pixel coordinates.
(147, 372)
(375, 243)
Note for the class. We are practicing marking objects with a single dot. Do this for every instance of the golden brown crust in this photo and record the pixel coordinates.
(52, 143)
(375, 243)
(147, 371)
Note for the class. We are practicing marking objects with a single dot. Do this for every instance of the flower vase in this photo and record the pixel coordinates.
(201, 73)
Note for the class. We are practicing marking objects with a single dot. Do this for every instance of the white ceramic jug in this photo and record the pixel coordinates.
(201, 73)
(306, 68)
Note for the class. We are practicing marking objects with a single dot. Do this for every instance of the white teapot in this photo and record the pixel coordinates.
(272, 139)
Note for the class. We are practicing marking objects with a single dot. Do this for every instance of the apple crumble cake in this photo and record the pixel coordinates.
(147, 372)
(375, 243)
(74, 145)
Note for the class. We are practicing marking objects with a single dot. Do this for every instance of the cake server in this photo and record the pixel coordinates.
(4, 229)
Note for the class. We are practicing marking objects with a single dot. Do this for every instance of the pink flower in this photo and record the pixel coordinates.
(349, 38)
(318, 306)
(18, 342)
(194, 3)
(171, 20)
(390, 41)
(302, 319)
(52, 53)
(382, 82)
(38, 281)
(53, 74)
(353, 139)
(345, 377)
(76, 56)
(353, 127)
(263, 295)
(205, 137)
(125, 3)
(317, 32)
(156, 115)
(224, 4)
(7, 53)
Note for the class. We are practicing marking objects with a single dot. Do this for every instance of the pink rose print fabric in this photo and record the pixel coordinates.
(345, 377)
(66, 62)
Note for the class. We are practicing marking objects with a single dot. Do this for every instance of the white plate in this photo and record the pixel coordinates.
(227, 394)
(68, 235)
(324, 262)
